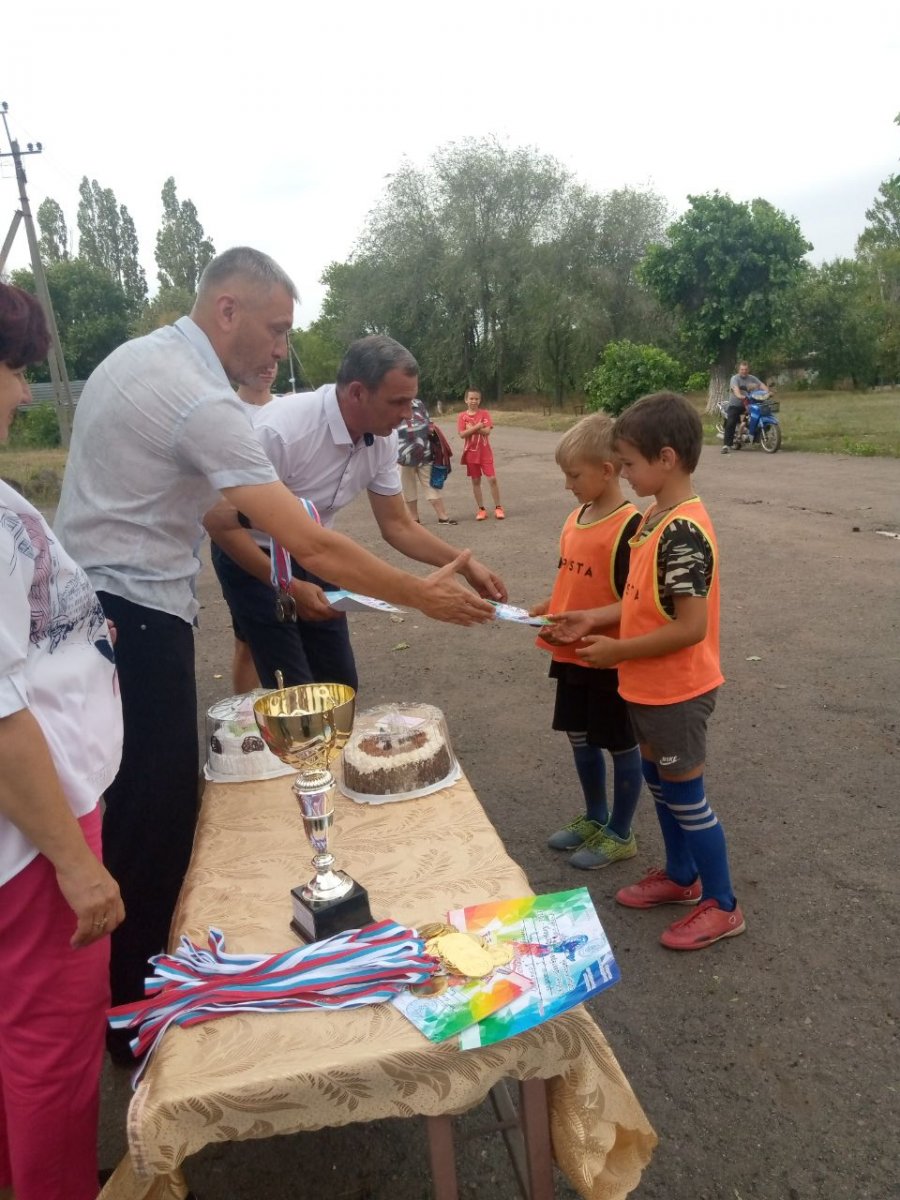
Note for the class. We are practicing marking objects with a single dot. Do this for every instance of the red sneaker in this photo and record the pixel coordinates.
(481, 515)
(657, 888)
(708, 923)
(499, 513)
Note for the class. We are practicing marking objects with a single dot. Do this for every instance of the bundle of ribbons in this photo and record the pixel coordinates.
(363, 966)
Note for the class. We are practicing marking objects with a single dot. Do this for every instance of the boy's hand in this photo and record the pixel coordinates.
(568, 627)
(600, 651)
(540, 610)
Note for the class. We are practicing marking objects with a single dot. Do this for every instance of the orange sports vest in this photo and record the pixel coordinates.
(586, 575)
(692, 670)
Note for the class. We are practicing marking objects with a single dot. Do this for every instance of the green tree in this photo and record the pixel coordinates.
(54, 241)
(91, 312)
(879, 248)
(107, 239)
(165, 308)
(318, 356)
(726, 272)
(182, 248)
(497, 269)
(627, 371)
(835, 326)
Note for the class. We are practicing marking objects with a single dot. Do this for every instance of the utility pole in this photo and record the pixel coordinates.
(57, 363)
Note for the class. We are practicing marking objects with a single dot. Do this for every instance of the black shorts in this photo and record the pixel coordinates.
(588, 701)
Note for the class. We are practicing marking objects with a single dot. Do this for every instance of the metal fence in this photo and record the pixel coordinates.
(42, 393)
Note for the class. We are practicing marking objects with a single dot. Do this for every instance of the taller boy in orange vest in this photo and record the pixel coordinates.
(667, 654)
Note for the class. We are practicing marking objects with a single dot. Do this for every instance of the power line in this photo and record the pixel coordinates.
(56, 360)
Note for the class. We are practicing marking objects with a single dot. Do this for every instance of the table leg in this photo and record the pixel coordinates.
(535, 1116)
(441, 1158)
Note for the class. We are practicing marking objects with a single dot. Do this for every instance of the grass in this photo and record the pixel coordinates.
(37, 474)
(866, 424)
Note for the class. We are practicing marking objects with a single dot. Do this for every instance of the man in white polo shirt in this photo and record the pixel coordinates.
(158, 431)
(328, 446)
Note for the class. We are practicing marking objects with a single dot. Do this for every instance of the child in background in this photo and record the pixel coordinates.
(667, 653)
(474, 427)
(593, 568)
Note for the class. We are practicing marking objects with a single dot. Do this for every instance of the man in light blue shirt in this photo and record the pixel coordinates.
(158, 433)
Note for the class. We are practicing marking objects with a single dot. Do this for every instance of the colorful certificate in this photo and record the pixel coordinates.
(558, 944)
(559, 957)
(456, 1008)
(345, 601)
(509, 612)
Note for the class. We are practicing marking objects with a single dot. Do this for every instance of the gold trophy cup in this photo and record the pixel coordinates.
(307, 726)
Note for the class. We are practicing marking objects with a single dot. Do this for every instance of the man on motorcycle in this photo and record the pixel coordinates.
(742, 384)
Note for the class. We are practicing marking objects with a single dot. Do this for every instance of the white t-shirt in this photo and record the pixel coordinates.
(158, 432)
(56, 659)
(310, 447)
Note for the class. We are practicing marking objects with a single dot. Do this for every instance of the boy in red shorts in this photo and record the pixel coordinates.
(667, 655)
(474, 427)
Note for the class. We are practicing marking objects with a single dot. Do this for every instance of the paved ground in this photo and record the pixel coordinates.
(768, 1064)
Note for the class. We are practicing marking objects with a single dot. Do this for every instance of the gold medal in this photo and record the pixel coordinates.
(434, 929)
(464, 955)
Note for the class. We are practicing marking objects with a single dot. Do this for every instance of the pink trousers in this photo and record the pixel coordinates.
(53, 1002)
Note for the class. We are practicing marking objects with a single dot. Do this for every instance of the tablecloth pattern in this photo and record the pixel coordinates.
(255, 1075)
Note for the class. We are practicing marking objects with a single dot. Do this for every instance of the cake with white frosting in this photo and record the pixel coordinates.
(397, 750)
(234, 748)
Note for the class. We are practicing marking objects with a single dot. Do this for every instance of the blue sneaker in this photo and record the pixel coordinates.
(603, 848)
(573, 835)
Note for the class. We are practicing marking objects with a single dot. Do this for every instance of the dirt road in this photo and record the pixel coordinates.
(768, 1064)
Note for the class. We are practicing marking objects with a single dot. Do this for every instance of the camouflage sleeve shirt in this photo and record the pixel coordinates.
(684, 563)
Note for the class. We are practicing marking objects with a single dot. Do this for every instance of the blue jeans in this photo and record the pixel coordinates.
(304, 651)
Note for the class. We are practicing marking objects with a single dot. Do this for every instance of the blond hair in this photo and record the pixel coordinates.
(590, 441)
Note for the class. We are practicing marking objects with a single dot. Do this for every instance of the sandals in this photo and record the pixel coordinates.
(447, 521)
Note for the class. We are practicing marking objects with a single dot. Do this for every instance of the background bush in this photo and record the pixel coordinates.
(698, 382)
(35, 428)
(627, 371)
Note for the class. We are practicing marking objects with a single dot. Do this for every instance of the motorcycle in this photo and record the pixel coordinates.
(758, 425)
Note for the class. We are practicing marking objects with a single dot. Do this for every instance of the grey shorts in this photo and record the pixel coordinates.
(675, 733)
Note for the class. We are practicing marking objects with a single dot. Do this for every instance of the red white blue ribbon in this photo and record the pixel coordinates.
(363, 966)
(279, 557)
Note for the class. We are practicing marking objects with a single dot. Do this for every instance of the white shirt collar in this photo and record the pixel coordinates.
(202, 345)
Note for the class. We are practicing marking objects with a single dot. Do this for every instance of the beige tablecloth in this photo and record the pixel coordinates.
(254, 1075)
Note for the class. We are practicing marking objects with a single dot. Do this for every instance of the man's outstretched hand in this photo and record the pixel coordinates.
(443, 597)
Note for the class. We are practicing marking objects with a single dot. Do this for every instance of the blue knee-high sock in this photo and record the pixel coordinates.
(680, 865)
(627, 781)
(686, 801)
(592, 775)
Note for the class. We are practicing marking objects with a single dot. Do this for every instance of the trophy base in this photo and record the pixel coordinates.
(317, 919)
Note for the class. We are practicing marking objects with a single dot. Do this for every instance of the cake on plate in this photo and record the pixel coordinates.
(398, 750)
(234, 748)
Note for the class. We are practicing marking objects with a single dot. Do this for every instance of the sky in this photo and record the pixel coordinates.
(282, 121)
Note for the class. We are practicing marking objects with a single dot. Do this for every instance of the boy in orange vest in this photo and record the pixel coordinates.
(593, 568)
(668, 659)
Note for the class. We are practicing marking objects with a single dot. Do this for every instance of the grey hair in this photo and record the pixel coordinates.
(251, 265)
(369, 359)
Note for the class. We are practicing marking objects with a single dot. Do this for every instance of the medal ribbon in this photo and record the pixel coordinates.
(362, 966)
(279, 557)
